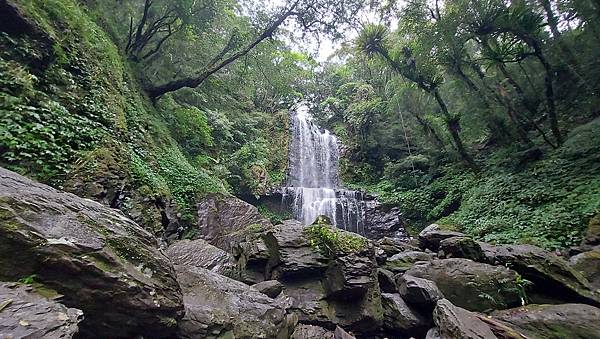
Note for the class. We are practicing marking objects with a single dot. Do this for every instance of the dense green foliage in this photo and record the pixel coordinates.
(476, 114)
(331, 241)
(72, 110)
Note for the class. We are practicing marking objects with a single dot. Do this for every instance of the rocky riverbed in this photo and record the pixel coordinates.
(75, 268)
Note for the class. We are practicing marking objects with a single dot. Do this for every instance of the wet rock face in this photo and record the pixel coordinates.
(219, 307)
(25, 314)
(102, 262)
(576, 321)
(252, 257)
(474, 286)
(221, 219)
(382, 221)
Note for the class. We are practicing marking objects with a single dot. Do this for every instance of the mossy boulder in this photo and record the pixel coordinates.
(588, 264)
(387, 247)
(471, 285)
(401, 262)
(592, 235)
(102, 262)
(553, 277)
(291, 252)
(329, 276)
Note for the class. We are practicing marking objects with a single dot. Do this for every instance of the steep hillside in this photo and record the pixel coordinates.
(73, 115)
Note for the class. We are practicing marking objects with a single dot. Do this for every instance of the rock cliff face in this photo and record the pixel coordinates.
(75, 268)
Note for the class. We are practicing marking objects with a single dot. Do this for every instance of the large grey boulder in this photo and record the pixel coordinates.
(401, 262)
(387, 247)
(421, 293)
(568, 321)
(252, 256)
(400, 319)
(271, 288)
(199, 253)
(308, 300)
(351, 275)
(291, 254)
(387, 282)
(472, 285)
(461, 247)
(457, 323)
(431, 236)
(220, 307)
(222, 220)
(383, 221)
(552, 276)
(102, 262)
(25, 314)
(304, 331)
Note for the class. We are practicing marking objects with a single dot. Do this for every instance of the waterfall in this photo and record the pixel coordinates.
(313, 178)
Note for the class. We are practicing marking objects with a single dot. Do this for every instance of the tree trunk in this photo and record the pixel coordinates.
(193, 82)
(429, 130)
(521, 133)
(548, 78)
(453, 125)
(570, 60)
(550, 98)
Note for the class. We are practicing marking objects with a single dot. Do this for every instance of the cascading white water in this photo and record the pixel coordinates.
(313, 183)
